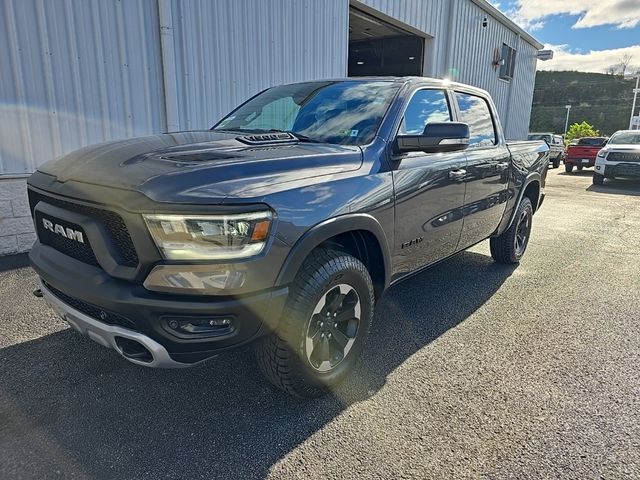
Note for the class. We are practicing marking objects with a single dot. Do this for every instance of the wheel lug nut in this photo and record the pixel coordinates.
(328, 335)
(335, 315)
(322, 334)
(322, 324)
(335, 325)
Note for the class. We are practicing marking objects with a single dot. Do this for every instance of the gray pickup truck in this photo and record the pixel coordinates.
(282, 225)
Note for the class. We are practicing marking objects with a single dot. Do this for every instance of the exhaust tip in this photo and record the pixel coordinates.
(133, 350)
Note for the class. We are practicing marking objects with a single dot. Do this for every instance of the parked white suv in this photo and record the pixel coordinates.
(620, 157)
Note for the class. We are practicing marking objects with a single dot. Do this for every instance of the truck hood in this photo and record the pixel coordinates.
(622, 147)
(187, 166)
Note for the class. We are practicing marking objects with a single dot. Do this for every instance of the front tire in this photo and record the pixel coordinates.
(509, 247)
(323, 328)
(598, 179)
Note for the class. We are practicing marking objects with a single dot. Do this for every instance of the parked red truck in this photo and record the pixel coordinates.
(582, 152)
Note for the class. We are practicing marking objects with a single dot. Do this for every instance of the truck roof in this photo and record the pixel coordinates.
(427, 81)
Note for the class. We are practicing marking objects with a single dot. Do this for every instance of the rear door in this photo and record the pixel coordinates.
(488, 162)
(429, 189)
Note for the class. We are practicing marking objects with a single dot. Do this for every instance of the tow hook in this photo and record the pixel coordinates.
(37, 293)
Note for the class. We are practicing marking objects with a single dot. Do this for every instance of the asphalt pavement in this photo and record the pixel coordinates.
(473, 370)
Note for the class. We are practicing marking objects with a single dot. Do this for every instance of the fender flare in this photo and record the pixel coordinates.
(532, 177)
(324, 231)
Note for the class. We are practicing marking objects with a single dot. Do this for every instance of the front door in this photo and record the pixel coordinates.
(487, 178)
(429, 190)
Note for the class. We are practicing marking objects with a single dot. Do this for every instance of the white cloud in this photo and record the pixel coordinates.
(593, 61)
(620, 13)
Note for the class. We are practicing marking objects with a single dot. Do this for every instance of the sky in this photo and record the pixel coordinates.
(585, 35)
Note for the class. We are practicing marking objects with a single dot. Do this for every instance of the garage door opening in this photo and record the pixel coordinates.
(378, 48)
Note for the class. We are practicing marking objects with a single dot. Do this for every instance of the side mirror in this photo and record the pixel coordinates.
(436, 138)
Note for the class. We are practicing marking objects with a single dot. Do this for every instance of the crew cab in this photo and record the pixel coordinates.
(556, 146)
(620, 157)
(282, 225)
(582, 152)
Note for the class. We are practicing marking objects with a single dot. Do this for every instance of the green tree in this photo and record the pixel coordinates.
(579, 130)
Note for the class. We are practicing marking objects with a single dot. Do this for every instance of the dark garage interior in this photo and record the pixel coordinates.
(378, 48)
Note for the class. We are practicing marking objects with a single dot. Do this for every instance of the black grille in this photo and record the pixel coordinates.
(97, 313)
(80, 250)
(623, 170)
(623, 157)
(111, 221)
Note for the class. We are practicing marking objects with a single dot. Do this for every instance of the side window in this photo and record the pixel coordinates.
(426, 106)
(475, 112)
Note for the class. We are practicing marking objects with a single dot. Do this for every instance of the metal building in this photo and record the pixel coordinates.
(76, 72)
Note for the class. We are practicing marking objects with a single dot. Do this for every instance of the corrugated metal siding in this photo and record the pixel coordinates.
(462, 49)
(73, 73)
(229, 50)
(76, 72)
(428, 16)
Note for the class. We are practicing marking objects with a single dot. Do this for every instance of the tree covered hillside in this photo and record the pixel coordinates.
(600, 99)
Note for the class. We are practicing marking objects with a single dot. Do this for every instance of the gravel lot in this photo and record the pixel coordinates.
(473, 370)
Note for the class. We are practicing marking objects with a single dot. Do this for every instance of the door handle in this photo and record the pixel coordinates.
(457, 174)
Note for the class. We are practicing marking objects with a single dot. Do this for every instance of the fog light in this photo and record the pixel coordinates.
(198, 327)
(597, 167)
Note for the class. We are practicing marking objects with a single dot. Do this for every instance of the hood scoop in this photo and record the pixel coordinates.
(267, 138)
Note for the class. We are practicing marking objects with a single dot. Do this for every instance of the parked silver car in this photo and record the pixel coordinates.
(556, 146)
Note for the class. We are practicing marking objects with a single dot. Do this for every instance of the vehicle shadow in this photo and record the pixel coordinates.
(70, 406)
(617, 186)
(587, 172)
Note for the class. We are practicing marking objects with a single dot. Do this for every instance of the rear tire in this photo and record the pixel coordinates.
(324, 325)
(598, 179)
(509, 247)
(556, 163)
(568, 168)
(579, 167)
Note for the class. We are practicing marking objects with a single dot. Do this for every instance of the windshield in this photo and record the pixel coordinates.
(540, 136)
(347, 112)
(592, 142)
(625, 138)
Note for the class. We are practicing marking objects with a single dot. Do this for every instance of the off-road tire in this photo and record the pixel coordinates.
(503, 247)
(598, 179)
(556, 163)
(281, 355)
(568, 168)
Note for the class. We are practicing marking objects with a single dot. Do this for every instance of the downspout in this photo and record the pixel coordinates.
(510, 94)
(449, 55)
(165, 18)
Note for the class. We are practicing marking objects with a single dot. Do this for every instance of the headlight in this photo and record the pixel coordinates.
(209, 237)
(601, 153)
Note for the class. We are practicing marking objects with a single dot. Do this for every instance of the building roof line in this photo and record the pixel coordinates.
(502, 18)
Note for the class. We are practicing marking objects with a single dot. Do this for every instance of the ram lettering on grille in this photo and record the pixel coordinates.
(67, 232)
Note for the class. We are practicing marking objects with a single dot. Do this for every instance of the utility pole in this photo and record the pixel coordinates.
(635, 96)
(566, 124)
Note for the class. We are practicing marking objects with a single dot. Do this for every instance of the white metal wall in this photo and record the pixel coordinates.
(227, 51)
(462, 50)
(74, 73)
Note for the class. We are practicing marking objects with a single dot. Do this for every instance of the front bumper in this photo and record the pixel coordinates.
(628, 170)
(109, 335)
(83, 294)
